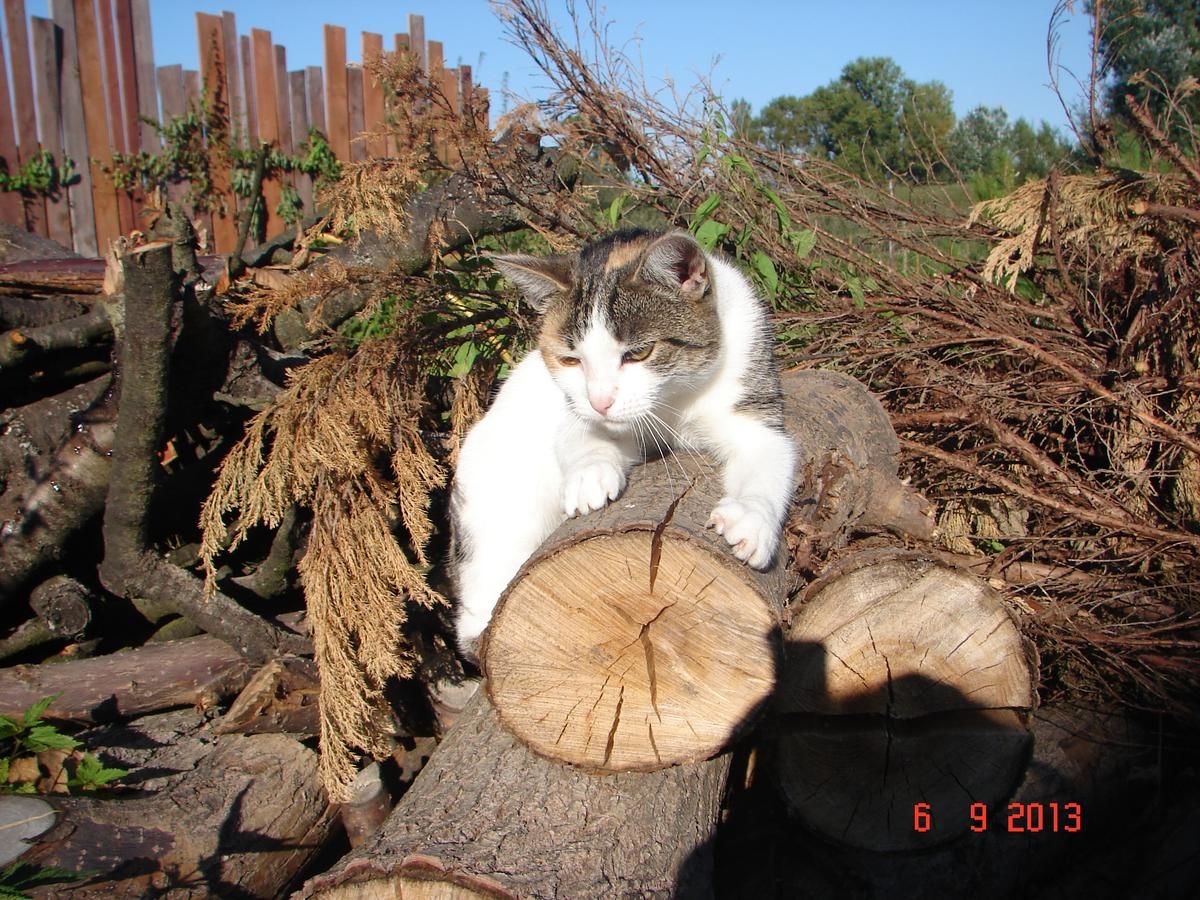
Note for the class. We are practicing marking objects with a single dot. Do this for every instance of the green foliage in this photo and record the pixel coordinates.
(197, 143)
(19, 877)
(994, 156)
(1151, 48)
(40, 176)
(871, 120)
(91, 774)
(31, 735)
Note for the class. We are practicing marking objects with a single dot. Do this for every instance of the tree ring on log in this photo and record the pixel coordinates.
(905, 682)
(631, 651)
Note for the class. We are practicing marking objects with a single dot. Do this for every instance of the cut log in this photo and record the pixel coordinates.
(906, 682)
(64, 605)
(486, 818)
(148, 679)
(633, 639)
(228, 816)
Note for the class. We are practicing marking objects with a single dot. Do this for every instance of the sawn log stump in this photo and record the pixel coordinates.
(634, 640)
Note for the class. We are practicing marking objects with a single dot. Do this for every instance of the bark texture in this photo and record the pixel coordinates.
(229, 816)
(486, 818)
(193, 672)
(130, 568)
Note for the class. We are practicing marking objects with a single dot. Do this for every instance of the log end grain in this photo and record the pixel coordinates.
(906, 682)
(631, 652)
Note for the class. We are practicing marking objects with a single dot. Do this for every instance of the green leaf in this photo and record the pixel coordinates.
(33, 715)
(706, 209)
(710, 233)
(613, 214)
(785, 219)
(735, 162)
(803, 242)
(47, 737)
(91, 773)
(766, 271)
(855, 287)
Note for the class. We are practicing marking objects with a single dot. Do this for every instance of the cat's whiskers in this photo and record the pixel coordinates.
(697, 455)
(653, 422)
(638, 424)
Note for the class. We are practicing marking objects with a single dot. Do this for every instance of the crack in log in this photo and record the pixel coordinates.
(648, 648)
(653, 744)
(612, 734)
(656, 538)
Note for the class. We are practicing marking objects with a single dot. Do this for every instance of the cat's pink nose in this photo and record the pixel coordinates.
(601, 403)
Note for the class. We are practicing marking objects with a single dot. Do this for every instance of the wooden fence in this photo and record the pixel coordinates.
(93, 66)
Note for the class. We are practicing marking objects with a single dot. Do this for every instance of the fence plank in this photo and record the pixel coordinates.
(283, 101)
(233, 79)
(211, 42)
(336, 112)
(299, 98)
(79, 195)
(314, 84)
(47, 75)
(416, 40)
(26, 120)
(433, 51)
(283, 110)
(191, 88)
(128, 75)
(265, 100)
(401, 42)
(373, 106)
(248, 87)
(174, 105)
(116, 112)
(147, 83)
(170, 85)
(11, 208)
(354, 106)
(123, 13)
(91, 77)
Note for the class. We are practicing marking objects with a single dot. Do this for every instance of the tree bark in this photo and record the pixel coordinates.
(906, 682)
(130, 567)
(234, 816)
(486, 818)
(151, 678)
(634, 640)
(67, 493)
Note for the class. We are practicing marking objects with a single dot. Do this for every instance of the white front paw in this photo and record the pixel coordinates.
(748, 530)
(591, 486)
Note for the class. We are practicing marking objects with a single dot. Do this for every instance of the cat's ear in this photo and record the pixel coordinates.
(676, 261)
(538, 277)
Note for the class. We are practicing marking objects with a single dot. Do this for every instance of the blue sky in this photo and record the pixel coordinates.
(986, 53)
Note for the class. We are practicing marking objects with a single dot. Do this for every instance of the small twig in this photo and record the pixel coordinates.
(1102, 519)
(237, 263)
(21, 344)
(1141, 116)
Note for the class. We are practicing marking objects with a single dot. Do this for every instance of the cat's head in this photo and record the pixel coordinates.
(629, 323)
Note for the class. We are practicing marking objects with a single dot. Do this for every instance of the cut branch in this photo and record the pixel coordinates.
(130, 567)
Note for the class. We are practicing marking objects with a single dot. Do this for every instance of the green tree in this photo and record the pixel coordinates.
(976, 138)
(871, 120)
(741, 117)
(1036, 152)
(1157, 37)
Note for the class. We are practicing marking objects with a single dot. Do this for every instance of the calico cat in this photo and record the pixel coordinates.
(647, 344)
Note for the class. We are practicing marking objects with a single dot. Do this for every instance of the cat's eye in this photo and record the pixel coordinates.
(568, 360)
(637, 354)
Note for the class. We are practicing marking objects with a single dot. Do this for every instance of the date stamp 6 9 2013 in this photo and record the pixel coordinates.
(1033, 818)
